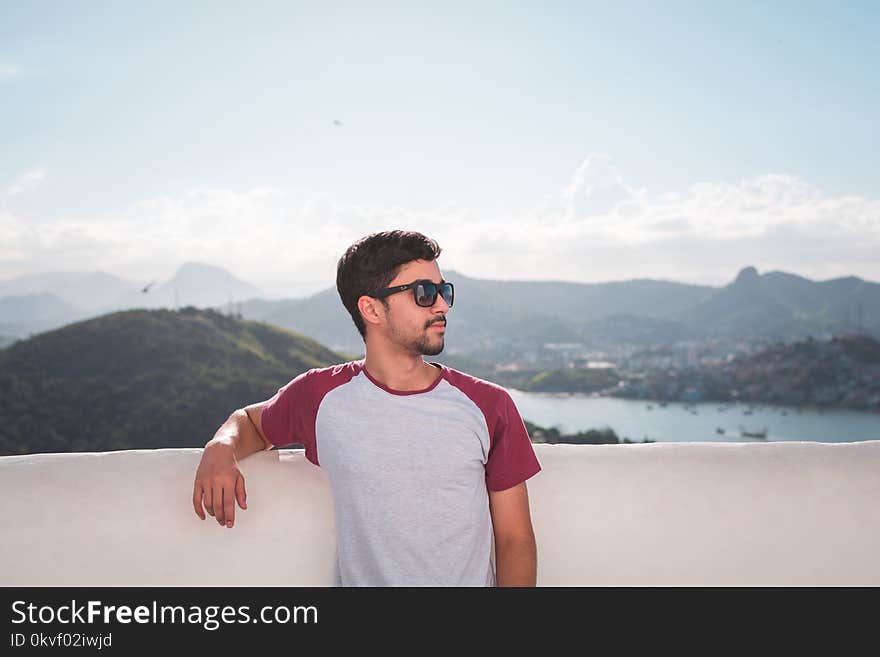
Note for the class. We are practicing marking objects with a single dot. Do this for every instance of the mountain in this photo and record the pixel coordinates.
(41, 302)
(32, 313)
(500, 320)
(779, 305)
(637, 330)
(85, 290)
(498, 315)
(194, 284)
(143, 379)
(320, 315)
(39, 307)
(491, 315)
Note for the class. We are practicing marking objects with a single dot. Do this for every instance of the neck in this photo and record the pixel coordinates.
(401, 371)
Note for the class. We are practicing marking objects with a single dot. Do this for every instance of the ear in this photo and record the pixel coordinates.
(372, 310)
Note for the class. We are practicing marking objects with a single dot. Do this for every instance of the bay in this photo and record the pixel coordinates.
(678, 422)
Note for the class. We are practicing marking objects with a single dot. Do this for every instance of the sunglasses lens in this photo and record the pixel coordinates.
(447, 292)
(426, 294)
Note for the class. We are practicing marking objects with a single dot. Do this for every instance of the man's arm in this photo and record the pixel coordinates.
(219, 482)
(253, 438)
(516, 554)
(243, 431)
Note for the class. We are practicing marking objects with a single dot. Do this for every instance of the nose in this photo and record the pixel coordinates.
(441, 303)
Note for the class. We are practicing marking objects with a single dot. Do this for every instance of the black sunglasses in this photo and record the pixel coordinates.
(424, 291)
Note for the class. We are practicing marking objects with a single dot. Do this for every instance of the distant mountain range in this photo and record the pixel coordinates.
(495, 320)
(143, 379)
(35, 303)
(492, 319)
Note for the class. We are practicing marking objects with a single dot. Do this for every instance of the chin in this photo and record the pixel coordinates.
(432, 350)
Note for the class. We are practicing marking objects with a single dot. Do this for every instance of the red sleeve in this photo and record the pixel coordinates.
(289, 416)
(511, 458)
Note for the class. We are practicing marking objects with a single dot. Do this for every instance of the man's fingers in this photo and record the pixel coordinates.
(228, 505)
(209, 499)
(240, 492)
(197, 500)
(218, 503)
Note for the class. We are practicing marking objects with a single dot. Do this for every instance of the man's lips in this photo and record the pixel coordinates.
(441, 325)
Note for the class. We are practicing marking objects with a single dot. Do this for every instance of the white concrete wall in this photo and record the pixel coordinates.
(644, 514)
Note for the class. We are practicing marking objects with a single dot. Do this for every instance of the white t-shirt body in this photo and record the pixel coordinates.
(409, 471)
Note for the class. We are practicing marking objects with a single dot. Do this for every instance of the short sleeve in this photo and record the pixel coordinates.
(289, 416)
(511, 458)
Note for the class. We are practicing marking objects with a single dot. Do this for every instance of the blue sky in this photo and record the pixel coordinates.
(667, 140)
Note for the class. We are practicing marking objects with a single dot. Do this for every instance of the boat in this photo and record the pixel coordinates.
(719, 430)
(753, 434)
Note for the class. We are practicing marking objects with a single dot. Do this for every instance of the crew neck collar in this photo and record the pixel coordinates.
(379, 384)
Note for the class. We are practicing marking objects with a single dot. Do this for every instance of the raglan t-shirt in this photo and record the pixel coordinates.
(409, 471)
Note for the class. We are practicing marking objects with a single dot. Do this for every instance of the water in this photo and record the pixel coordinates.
(677, 422)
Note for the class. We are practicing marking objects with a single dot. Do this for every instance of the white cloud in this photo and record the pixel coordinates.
(595, 189)
(285, 242)
(598, 227)
(602, 228)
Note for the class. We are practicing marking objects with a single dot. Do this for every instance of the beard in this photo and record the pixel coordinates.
(425, 344)
(428, 347)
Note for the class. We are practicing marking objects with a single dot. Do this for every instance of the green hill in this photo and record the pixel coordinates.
(143, 379)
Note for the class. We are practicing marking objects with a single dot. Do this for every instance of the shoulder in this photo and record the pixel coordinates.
(321, 380)
(488, 395)
(338, 371)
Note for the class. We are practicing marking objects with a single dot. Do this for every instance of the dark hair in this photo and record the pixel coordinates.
(373, 261)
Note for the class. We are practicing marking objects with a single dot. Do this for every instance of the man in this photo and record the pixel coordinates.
(424, 462)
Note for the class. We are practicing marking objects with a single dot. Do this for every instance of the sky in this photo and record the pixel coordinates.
(569, 141)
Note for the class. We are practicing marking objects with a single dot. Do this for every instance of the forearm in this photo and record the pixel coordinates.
(516, 563)
(239, 433)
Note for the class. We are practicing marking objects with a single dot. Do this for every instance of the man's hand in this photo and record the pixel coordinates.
(219, 483)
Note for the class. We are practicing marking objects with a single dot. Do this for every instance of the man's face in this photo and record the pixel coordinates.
(415, 328)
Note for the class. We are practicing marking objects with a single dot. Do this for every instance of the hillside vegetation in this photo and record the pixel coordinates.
(143, 379)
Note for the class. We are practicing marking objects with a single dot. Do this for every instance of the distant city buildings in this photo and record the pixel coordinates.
(840, 372)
